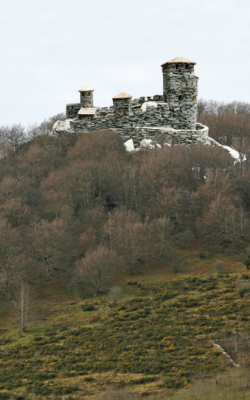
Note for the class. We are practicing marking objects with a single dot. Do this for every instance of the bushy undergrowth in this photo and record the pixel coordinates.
(163, 333)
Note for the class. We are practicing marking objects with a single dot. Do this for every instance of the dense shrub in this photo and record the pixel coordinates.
(87, 307)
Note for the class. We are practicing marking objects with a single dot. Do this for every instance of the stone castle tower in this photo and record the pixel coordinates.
(180, 91)
(86, 97)
(122, 104)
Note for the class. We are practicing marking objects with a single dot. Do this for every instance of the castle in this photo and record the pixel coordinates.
(172, 114)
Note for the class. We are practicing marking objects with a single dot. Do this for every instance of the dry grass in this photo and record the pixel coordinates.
(234, 385)
(231, 386)
(116, 394)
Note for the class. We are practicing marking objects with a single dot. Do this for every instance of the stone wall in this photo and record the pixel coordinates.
(122, 107)
(145, 122)
(138, 133)
(162, 115)
(72, 110)
(149, 117)
(158, 115)
(141, 100)
(170, 135)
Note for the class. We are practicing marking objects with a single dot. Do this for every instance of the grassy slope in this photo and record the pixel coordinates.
(157, 339)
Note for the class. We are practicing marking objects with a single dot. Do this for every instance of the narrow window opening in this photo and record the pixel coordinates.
(86, 118)
(87, 102)
(184, 84)
(180, 96)
(176, 66)
(166, 98)
(194, 97)
(186, 66)
(122, 111)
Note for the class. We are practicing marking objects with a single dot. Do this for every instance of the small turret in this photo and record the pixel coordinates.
(122, 104)
(86, 97)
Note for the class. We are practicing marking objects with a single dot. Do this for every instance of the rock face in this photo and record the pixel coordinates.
(62, 127)
(129, 145)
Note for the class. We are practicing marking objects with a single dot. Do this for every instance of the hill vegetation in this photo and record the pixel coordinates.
(80, 216)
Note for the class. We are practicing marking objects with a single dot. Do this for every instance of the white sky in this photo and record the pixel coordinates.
(51, 48)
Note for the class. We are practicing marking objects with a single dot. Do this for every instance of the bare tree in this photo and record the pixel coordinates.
(162, 231)
(49, 246)
(129, 236)
(16, 136)
(116, 294)
(219, 267)
(25, 306)
(5, 147)
(222, 223)
(45, 127)
(11, 263)
(98, 268)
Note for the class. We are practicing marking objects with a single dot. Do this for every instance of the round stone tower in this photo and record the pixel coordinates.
(180, 92)
(122, 104)
(86, 97)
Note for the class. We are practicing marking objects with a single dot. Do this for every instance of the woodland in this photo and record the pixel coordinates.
(80, 212)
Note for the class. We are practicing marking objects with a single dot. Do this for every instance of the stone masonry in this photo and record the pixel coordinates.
(171, 114)
(180, 92)
(86, 97)
(122, 105)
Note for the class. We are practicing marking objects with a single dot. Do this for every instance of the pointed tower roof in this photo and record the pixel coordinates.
(122, 95)
(86, 89)
(179, 60)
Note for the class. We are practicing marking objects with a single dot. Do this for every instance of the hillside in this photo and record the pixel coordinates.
(167, 230)
(157, 339)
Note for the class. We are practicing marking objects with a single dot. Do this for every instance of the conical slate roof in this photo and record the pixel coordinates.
(122, 95)
(179, 60)
(86, 89)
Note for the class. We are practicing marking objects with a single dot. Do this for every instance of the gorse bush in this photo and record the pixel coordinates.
(162, 335)
(88, 307)
(219, 267)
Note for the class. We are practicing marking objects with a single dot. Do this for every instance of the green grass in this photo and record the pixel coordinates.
(157, 340)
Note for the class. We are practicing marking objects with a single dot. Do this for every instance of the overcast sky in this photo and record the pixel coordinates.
(51, 48)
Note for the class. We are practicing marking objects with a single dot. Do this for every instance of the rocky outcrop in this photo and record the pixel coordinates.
(62, 127)
(219, 348)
